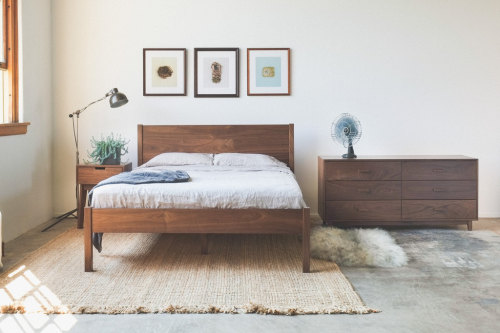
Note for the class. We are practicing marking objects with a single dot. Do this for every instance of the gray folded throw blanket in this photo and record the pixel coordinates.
(136, 178)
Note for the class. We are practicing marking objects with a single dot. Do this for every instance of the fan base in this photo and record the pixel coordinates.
(350, 153)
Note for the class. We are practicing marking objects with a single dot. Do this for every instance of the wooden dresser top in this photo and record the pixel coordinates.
(398, 157)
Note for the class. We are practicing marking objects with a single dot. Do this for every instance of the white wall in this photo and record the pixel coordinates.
(423, 76)
(26, 160)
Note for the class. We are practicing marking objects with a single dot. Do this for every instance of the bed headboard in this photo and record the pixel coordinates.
(274, 140)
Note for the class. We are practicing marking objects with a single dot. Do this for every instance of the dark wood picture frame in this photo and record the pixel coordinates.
(284, 89)
(199, 76)
(179, 89)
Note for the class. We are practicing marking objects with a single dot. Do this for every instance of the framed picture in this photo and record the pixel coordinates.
(164, 72)
(216, 72)
(268, 72)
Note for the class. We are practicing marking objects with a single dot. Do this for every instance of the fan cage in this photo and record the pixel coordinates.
(343, 122)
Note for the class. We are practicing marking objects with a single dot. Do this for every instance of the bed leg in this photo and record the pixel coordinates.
(306, 248)
(87, 239)
(204, 243)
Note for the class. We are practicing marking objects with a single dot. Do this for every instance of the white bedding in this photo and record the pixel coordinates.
(209, 187)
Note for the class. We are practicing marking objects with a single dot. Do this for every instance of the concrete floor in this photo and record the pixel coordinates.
(451, 284)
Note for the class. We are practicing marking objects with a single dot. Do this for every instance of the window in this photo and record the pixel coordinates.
(9, 78)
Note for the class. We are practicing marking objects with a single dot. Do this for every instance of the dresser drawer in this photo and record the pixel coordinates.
(363, 190)
(447, 189)
(389, 210)
(439, 209)
(439, 170)
(360, 170)
(95, 174)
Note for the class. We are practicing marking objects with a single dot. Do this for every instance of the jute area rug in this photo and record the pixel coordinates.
(164, 273)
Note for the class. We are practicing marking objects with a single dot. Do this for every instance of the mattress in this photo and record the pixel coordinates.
(224, 187)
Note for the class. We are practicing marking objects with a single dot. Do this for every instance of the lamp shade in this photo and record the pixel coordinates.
(117, 99)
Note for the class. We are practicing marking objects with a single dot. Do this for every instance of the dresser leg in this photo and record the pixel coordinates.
(469, 225)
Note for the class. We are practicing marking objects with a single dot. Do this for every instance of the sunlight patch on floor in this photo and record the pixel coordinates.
(26, 294)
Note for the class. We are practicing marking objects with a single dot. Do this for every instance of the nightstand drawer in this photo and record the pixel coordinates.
(363, 190)
(389, 210)
(439, 209)
(439, 170)
(88, 175)
(448, 189)
(359, 170)
(93, 174)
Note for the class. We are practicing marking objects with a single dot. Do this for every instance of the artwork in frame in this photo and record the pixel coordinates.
(268, 71)
(164, 72)
(216, 72)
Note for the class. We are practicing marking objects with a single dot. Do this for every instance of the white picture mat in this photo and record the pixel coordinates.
(253, 54)
(205, 74)
(179, 55)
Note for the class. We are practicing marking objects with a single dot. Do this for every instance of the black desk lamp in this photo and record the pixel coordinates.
(116, 99)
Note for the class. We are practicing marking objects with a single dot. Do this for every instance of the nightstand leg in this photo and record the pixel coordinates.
(82, 197)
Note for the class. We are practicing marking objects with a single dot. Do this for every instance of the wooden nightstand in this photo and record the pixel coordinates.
(88, 175)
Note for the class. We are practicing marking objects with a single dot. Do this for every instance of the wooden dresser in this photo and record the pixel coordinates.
(397, 190)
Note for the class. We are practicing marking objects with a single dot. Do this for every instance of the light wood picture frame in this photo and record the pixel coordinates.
(268, 71)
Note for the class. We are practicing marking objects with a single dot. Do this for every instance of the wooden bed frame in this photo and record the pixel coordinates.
(274, 140)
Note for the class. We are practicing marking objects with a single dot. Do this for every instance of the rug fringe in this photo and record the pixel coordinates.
(249, 308)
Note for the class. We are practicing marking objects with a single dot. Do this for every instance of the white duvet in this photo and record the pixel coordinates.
(209, 187)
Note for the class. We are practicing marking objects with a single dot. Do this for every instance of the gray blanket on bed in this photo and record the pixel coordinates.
(136, 178)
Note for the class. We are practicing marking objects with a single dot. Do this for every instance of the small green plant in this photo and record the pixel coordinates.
(108, 150)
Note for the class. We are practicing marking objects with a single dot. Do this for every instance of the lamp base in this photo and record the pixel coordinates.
(62, 217)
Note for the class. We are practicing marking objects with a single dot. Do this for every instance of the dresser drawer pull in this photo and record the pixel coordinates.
(438, 170)
(364, 190)
(100, 168)
(438, 189)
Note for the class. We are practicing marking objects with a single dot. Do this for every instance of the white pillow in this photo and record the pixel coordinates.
(251, 160)
(180, 159)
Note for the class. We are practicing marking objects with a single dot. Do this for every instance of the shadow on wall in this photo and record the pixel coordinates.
(1, 242)
(28, 201)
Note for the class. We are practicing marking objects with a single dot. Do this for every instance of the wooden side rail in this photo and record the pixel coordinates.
(197, 221)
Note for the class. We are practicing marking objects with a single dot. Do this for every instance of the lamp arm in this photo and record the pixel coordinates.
(77, 114)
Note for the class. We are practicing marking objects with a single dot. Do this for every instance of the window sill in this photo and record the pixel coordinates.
(13, 129)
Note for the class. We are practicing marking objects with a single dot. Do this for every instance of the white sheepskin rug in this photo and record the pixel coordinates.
(356, 247)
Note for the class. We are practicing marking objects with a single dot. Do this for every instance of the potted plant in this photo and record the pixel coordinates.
(108, 150)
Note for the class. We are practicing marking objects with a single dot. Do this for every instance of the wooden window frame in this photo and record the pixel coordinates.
(3, 65)
(10, 40)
